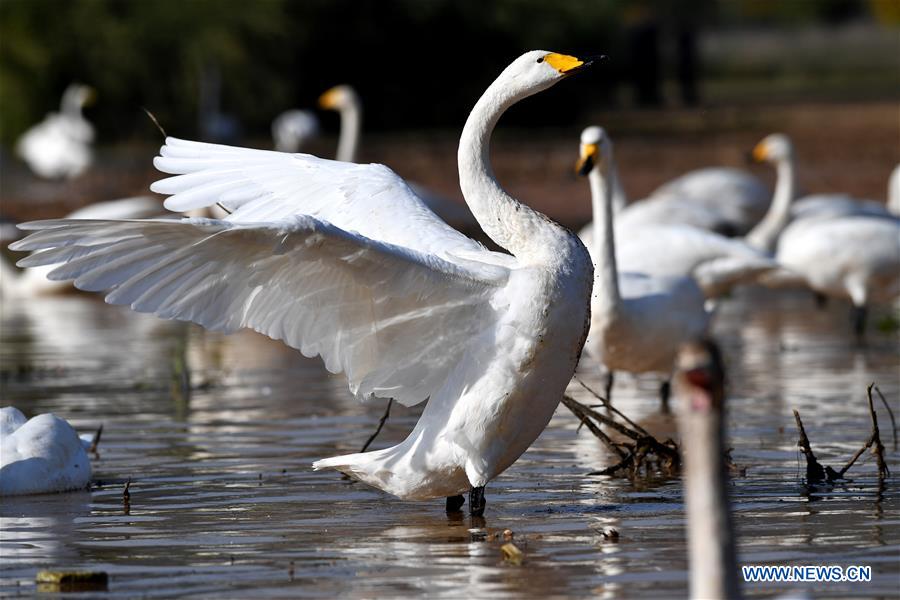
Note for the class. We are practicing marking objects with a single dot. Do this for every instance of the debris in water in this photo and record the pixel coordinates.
(512, 554)
(71, 581)
(610, 533)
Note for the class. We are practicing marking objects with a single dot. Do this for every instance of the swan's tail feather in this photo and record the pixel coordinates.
(391, 470)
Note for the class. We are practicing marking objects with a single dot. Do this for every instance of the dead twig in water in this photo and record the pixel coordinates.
(873, 442)
(384, 417)
(890, 414)
(126, 497)
(612, 408)
(645, 450)
(95, 441)
(816, 473)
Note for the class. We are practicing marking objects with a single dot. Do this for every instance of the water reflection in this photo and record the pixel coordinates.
(223, 501)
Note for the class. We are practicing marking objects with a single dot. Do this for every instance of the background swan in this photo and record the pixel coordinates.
(855, 257)
(778, 150)
(345, 100)
(893, 203)
(638, 321)
(716, 262)
(33, 281)
(40, 455)
(733, 200)
(60, 145)
(293, 128)
(344, 261)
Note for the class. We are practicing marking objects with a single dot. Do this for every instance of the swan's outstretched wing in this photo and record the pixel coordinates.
(261, 185)
(394, 319)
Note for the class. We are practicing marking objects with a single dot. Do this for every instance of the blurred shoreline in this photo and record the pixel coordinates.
(841, 148)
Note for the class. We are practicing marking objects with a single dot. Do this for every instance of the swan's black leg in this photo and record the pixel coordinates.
(665, 390)
(454, 503)
(821, 300)
(859, 321)
(476, 502)
(609, 386)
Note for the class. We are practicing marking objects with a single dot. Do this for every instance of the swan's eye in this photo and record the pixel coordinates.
(541, 59)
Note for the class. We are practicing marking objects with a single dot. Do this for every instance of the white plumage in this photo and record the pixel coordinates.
(33, 281)
(344, 261)
(60, 145)
(676, 249)
(722, 199)
(40, 455)
(638, 321)
(345, 100)
(855, 257)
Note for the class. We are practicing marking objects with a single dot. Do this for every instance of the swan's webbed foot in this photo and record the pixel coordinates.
(477, 502)
(665, 390)
(454, 503)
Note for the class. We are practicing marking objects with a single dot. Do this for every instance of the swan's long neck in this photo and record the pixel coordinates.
(713, 564)
(619, 198)
(606, 275)
(351, 122)
(70, 105)
(509, 223)
(765, 234)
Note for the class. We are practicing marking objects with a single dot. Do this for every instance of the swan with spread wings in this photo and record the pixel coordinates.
(343, 261)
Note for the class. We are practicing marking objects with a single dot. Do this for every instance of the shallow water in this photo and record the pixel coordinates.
(223, 501)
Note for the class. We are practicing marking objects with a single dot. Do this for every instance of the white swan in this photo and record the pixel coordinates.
(699, 385)
(33, 281)
(345, 100)
(856, 257)
(777, 149)
(343, 261)
(729, 200)
(40, 455)
(717, 263)
(293, 128)
(60, 145)
(638, 321)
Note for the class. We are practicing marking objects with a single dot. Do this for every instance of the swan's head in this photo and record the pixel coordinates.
(700, 377)
(78, 95)
(537, 70)
(773, 148)
(595, 150)
(338, 98)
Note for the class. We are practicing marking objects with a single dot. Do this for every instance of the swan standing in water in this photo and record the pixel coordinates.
(60, 145)
(836, 245)
(40, 455)
(345, 100)
(717, 263)
(638, 321)
(343, 261)
(700, 388)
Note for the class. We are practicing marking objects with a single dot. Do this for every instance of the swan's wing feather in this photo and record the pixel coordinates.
(262, 185)
(395, 320)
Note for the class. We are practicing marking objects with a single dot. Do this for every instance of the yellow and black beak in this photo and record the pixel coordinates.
(589, 156)
(329, 99)
(569, 65)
